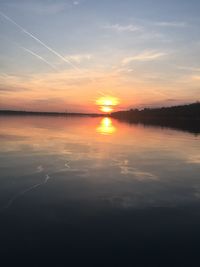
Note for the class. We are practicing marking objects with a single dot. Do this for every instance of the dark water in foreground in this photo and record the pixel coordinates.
(96, 192)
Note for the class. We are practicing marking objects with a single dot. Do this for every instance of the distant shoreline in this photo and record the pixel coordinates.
(45, 113)
(183, 112)
(185, 117)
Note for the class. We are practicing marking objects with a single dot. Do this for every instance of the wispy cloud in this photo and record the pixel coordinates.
(171, 24)
(123, 28)
(196, 77)
(189, 68)
(145, 56)
(6, 89)
(78, 58)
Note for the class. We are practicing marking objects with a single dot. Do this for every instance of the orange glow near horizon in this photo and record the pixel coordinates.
(107, 103)
(106, 109)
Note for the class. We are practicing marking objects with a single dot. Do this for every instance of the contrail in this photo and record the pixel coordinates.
(39, 57)
(34, 54)
(39, 41)
(46, 46)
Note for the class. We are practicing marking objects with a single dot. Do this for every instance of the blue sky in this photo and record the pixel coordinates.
(64, 54)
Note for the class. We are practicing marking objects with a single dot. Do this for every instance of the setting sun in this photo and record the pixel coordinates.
(107, 103)
(106, 109)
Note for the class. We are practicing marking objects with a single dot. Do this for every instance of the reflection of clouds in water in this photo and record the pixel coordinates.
(124, 166)
(65, 168)
(140, 175)
(134, 201)
(84, 173)
(39, 169)
(196, 189)
(67, 165)
(126, 169)
(149, 198)
(46, 179)
(12, 200)
(123, 202)
(194, 159)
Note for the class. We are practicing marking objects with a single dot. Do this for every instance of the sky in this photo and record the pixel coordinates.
(64, 55)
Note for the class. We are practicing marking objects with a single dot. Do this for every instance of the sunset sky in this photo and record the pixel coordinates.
(65, 55)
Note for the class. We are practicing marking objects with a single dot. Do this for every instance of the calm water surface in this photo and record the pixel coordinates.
(97, 192)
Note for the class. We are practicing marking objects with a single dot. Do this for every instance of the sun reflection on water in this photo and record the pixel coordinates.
(106, 127)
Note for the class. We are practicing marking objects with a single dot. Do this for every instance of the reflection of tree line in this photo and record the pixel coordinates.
(185, 117)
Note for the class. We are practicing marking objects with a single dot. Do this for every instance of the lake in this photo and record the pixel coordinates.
(82, 191)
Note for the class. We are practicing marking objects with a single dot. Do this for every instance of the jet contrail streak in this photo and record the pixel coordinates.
(39, 57)
(39, 41)
(93, 80)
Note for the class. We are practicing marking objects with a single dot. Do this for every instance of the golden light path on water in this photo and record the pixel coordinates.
(106, 127)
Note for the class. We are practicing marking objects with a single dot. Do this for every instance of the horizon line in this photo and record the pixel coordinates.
(93, 113)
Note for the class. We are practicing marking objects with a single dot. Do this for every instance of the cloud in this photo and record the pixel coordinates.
(66, 82)
(12, 84)
(189, 68)
(170, 24)
(145, 56)
(171, 99)
(78, 58)
(196, 77)
(123, 28)
(5, 89)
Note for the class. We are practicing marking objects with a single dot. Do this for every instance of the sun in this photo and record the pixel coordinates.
(106, 104)
(106, 109)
